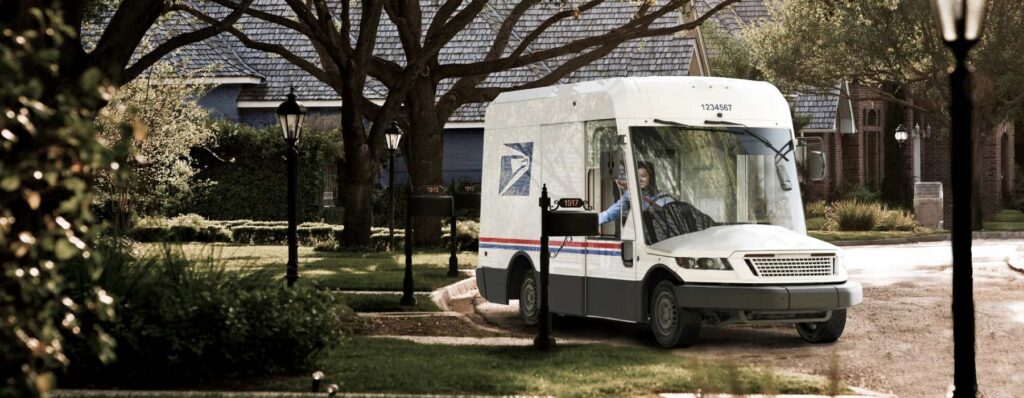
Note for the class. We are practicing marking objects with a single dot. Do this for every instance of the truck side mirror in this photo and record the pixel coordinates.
(816, 165)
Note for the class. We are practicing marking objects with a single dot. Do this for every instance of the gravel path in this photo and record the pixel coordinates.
(898, 341)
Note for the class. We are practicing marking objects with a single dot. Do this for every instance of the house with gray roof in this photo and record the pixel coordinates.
(249, 84)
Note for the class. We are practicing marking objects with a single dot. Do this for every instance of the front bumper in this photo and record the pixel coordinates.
(770, 298)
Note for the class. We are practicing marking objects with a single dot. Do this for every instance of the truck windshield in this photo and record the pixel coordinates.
(694, 178)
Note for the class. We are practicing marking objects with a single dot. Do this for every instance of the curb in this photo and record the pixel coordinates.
(994, 235)
(441, 295)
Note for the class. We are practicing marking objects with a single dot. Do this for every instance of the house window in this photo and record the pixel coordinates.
(872, 118)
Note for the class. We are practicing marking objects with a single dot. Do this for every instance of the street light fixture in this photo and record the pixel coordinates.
(392, 135)
(290, 114)
(960, 24)
(901, 135)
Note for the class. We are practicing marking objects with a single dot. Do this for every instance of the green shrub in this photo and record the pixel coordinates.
(817, 224)
(861, 194)
(185, 228)
(307, 234)
(853, 215)
(897, 220)
(815, 209)
(182, 321)
(250, 178)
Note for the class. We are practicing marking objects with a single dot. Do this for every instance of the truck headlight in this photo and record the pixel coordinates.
(719, 264)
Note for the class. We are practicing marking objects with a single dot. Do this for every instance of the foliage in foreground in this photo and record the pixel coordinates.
(47, 156)
(183, 320)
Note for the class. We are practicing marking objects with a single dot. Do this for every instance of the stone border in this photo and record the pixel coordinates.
(442, 295)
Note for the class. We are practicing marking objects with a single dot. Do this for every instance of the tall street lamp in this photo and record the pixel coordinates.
(290, 114)
(960, 24)
(408, 297)
(392, 136)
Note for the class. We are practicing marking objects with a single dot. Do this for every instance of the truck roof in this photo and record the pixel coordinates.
(685, 99)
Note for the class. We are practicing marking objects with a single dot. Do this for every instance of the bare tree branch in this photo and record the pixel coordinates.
(441, 17)
(182, 40)
(296, 60)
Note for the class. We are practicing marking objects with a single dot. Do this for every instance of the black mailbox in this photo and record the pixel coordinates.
(467, 200)
(572, 223)
(430, 206)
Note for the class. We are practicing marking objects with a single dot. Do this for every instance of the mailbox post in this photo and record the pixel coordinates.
(557, 223)
(429, 201)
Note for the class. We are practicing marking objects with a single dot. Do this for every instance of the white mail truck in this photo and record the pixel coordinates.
(701, 220)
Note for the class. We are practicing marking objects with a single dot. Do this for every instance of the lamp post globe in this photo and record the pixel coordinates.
(392, 135)
(960, 25)
(290, 115)
(901, 135)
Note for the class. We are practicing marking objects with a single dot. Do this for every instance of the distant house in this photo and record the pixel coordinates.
(853, 138)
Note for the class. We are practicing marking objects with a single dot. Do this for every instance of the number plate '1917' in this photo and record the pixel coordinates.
(570, 202)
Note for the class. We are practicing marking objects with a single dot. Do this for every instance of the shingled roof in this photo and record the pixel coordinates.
(825, 107)
(668, 55)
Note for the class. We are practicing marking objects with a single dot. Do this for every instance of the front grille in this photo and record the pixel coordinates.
(774, 267)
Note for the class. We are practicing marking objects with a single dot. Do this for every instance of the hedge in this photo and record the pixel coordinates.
(249, 174)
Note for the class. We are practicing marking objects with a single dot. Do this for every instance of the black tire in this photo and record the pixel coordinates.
(529, 305)
(823, 332)
(671, 325)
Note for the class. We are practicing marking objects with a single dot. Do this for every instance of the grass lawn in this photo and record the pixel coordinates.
(386, 303)
(834, 236)
(374, 365)
(391, 366)
(335, 270)
(1006, 220)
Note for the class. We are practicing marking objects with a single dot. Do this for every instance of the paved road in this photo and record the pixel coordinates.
(898, 341)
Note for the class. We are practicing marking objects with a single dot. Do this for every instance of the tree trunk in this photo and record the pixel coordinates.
(426, 165)
(361, 163)
(357, 199)
(896, 189)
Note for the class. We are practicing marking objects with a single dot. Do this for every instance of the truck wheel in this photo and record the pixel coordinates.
(672, 326)
(529, 303)
(823, 332)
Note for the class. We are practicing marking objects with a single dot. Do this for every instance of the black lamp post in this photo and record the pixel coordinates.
(290, 114)
(408, 297)
(901, 135)
(960, 24)
(392, 136)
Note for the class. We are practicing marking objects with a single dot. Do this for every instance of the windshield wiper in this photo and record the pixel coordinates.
(755, 135)
(745, 130)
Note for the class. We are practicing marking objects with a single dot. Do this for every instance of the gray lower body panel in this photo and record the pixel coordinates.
(566, 294)
(492, 283)
(770, 298)
(613, 298)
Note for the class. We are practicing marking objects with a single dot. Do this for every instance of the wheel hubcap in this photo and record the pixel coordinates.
(666, 311)
(529, 299)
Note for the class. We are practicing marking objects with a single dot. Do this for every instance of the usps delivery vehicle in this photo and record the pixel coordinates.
(701, 218)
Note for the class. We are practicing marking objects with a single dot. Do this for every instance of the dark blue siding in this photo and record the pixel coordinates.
(222, 101)
(463, 158)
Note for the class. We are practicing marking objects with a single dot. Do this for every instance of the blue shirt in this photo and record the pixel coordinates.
(621, 206)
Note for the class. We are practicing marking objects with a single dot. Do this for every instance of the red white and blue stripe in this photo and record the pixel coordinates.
(527, 245)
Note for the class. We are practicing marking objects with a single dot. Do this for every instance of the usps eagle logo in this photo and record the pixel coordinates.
(515, 169)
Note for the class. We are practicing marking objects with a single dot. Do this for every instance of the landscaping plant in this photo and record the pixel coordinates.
(185, 320)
